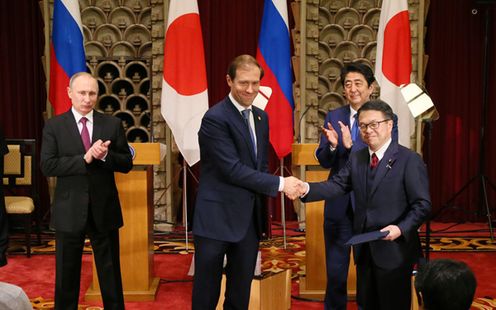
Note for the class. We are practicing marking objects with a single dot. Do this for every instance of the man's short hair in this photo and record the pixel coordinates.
(240, 61)
(78, 74)
(358, 67)
(445, 284)
(377, 105)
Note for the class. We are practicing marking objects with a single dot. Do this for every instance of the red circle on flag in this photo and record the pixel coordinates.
(184, 61)
(396, 54)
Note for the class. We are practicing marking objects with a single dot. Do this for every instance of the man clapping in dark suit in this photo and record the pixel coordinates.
(83, 148)
(340, 137)
(391, 191)
(230, 212)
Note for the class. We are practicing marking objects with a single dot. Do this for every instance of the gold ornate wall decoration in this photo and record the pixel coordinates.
(124, 50)
(339, 32)
(118, 46)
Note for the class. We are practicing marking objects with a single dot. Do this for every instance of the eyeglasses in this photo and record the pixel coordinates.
(372, 125)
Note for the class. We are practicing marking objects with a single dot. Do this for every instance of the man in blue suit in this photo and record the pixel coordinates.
(340, 137)
(230, 215)
(391, 193)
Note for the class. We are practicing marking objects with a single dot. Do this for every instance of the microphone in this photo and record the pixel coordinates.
(299, 122)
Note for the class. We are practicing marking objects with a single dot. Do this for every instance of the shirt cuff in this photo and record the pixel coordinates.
(307, 186)
(281, 184)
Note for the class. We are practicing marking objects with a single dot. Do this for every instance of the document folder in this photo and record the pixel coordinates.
(367, 237)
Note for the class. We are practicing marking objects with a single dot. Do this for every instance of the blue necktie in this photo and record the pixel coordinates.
(246, 116)
(354, 128)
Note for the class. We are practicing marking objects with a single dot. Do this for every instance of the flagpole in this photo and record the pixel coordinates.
(185, 204)
(283, 207)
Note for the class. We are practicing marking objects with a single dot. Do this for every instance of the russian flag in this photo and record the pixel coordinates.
(393, 64)
(66, 52)
(184, 98)
(274, 56)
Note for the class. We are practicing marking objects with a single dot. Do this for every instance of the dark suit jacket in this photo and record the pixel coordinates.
(337, 159)
(399, 195)
(232, 181)
(83, 188)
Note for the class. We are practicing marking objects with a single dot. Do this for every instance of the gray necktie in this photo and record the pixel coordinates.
(246, 116)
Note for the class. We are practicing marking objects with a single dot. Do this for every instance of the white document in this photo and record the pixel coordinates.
(418, 101)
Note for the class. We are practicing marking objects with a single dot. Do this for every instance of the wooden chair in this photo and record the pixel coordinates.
(20, 184)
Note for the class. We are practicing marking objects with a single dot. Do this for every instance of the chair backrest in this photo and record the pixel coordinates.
(20, 164)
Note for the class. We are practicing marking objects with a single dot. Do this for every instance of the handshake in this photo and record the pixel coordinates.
(294, 188)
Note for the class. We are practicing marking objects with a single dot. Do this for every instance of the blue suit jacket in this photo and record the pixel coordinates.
(399, 195)
(337, 159)
(233, 181)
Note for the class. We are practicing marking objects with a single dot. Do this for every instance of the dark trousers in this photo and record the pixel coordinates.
(336, 234)
(68, 255)
(382, 289)
(241, 261)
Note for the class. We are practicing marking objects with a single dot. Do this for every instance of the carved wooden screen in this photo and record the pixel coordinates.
(117, 36)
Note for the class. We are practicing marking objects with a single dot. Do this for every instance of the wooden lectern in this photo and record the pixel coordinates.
(136, 236)
(269, 291)
(313, 284)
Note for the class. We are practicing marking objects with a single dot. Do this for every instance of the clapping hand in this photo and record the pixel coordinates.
(346, 133)
(331, 134)
(99, 149)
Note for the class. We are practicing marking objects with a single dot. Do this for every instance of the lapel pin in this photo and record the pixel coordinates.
(259, 118)
(389, 164)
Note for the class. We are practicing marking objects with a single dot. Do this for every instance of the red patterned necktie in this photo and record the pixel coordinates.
(85, 134)
(374, 161)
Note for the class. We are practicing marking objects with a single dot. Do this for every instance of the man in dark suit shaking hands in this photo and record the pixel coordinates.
(83, 148)
(391, 190)
(230, 212)
(340, 137)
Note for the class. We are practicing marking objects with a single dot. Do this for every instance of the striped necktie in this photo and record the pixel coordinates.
(85, 134)
(246, 116)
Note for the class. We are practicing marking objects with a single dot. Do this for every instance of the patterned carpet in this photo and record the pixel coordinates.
(274, 257)
(461, 244)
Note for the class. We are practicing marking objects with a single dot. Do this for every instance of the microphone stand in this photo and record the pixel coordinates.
(427, 159)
